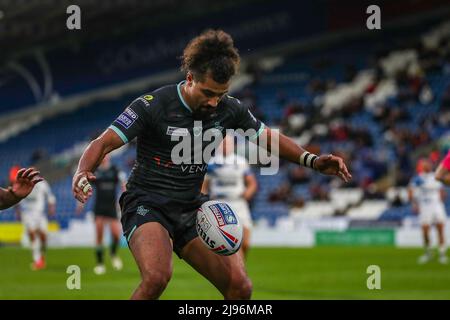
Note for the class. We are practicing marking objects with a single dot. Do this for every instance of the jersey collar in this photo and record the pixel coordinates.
(181, 96)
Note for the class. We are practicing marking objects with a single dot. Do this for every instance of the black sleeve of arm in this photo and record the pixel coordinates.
(245, 120)
(133, 120)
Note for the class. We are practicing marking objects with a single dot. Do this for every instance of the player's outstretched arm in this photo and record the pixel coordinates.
(289, 150)
(7, 198)
(90, 160)
(24, 183)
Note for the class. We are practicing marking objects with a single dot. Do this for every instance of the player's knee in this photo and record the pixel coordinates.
(246, 289)
(154, 282)
(240, 288)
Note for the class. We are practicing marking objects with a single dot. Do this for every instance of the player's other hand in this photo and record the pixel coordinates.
(81, 188)
(332, 165)
(25, 181)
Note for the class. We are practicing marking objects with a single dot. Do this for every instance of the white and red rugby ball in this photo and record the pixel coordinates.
(219, 227)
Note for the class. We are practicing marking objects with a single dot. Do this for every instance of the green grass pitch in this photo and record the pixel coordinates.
(277, 273)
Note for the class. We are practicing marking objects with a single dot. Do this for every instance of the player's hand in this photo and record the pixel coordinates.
(332, 165)
(25, 181)
(81, 187)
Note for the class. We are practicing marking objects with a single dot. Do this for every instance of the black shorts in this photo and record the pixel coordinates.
(176, 216)
(106, 211)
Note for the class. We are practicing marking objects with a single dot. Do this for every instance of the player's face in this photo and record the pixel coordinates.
(427, 166)
(205, 95)
(424, 165)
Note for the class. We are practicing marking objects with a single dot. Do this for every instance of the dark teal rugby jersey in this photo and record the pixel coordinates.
(160, 121)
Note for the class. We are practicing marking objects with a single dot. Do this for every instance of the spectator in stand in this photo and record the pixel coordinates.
(284, 193)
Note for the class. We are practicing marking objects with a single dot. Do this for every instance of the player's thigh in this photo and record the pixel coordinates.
(221, 271)
(440, 228)
(42, 233)
(425, 228)
(151, 247)
(30, 223)
(425, 218)
(31, 233)
(440, 215)
(43, 226)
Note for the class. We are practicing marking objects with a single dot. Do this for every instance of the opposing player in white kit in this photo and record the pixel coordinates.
(34, 218)
(427, 194)
(230, 179)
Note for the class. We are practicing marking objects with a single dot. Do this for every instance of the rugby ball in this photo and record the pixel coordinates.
(219, 227)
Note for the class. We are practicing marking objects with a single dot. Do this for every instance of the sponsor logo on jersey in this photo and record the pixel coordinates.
(131, 113)
(143, 101)
(218, 126)
(141, 210)
(127, 118)
(146, 99)
(197, 131)
(194, 168)
(175, 131)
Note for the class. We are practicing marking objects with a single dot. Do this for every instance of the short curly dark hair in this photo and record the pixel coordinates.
(212, 51)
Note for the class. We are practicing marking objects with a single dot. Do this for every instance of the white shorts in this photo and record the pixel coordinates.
(432, 214)
(33, 222)
(240, 207)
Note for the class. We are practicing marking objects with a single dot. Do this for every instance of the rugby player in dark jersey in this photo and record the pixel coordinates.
(160, 204)
(108, 179)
